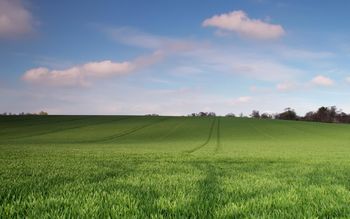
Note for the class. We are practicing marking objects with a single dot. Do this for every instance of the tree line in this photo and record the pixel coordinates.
(323, 114)
(41, 113)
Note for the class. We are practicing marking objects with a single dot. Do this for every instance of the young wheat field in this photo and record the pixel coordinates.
(172, 167)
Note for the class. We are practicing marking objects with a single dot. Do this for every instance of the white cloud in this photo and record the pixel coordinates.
(241, 100)
(244, 99)
(15, 20)
(82, 75)
(321, 80)
(239, 22)
(77, 75)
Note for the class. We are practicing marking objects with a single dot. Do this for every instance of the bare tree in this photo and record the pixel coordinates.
(255, 114)
(266, 116)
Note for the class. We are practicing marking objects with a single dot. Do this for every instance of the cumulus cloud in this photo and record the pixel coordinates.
(15, 19)
(82, 75)
(239, 22)
(321, 80)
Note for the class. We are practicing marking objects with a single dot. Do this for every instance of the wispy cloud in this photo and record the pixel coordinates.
(265, 70)
(241, 63)
(208, 54)
(15, 19)
(241, 100)
(134, 37)
(239, 22)
(347, 79)
(286, 86)
(305, 54)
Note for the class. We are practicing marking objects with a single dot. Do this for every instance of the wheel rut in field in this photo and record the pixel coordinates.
(126, 133)
(208, 198)
(262, 132)
(218, 138)
(211, 130)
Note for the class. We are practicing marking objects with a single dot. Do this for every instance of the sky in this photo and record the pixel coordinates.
(173, 57)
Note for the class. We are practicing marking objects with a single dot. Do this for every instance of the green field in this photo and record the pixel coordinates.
(172, 167)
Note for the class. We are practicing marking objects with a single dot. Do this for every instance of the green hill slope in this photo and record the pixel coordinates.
(135, 166)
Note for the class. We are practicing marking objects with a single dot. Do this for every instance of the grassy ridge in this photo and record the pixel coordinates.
(126, 166)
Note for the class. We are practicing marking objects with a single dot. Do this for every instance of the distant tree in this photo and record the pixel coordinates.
(322, 114)
(288, 114)
(202, 114)
(343, 117)
(43, 113)
(241, 115)
(325, 114)
(309, 116)
(255, 114)
(230, 115)
(211, 114)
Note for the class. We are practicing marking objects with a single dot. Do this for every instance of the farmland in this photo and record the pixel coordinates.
(161, 167)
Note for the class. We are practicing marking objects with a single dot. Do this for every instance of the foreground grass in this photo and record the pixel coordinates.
(137, 167)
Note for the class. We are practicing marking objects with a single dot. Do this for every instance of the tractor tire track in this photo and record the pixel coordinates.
(211, 130)
(173, 129)
(36, 121)
(218, 138)
(123, 134)
(263, 133)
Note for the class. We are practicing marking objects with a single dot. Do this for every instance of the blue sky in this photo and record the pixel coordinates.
(173, 57)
